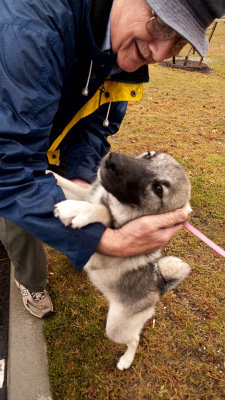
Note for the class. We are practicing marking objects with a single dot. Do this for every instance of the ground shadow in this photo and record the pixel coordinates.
(188, 65)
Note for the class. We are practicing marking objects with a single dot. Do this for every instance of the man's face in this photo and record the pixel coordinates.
(131, 40)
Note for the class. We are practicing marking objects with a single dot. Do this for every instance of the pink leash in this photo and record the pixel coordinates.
(200, 235)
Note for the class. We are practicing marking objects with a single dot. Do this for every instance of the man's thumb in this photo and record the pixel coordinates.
(174, 217)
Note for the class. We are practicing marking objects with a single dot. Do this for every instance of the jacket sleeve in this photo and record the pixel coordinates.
(32, 71)
(88, 142)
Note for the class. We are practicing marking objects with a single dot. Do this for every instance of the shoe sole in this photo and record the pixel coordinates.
(47, 314)
(43, 315)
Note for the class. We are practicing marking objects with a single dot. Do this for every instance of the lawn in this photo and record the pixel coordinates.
(182, 357)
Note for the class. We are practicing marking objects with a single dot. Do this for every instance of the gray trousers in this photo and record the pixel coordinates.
(27, 255)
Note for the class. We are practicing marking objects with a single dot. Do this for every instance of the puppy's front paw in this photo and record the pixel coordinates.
(63, 211)
(79, 221)
(75, 213)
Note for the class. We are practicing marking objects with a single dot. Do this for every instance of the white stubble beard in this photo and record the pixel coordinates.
(145, 53)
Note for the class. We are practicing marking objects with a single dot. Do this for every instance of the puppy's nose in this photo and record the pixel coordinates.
(112, 163)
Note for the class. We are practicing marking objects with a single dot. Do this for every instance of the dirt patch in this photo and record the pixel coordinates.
(188, 65)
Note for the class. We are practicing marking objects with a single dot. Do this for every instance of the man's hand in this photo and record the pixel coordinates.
(142, 235)
(80, 182)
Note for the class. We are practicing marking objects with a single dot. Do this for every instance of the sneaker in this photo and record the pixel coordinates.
(37, 303)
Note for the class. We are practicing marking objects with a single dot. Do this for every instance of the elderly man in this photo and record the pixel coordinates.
(67, 70)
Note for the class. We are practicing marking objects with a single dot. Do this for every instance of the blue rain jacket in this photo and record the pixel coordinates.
(47, 51)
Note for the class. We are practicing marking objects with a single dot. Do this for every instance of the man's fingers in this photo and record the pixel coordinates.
(167, 233)
(80, 182)
(164, 235)
(170, 219)
(151, 223)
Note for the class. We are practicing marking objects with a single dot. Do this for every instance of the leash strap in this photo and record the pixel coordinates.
(206, 240)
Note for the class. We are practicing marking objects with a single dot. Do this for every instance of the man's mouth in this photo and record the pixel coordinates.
(144, 51)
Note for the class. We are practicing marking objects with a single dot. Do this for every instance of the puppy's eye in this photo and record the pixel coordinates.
(158, 189)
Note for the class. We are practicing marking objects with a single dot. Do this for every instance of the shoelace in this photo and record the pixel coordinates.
(36, 296)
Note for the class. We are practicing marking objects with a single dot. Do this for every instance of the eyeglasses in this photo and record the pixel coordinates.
(160, 30)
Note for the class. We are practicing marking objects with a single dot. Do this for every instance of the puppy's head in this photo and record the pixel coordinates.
(152, 183)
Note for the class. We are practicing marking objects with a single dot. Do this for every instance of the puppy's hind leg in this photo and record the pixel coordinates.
(119, 330)
(173, 270)
(126, 360)
(125, 329)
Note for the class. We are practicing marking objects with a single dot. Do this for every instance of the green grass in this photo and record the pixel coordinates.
(182, 113)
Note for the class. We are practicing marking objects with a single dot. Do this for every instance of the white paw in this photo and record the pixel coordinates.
(62, 211)
(75, 213)
(80, 220)
(124, 362)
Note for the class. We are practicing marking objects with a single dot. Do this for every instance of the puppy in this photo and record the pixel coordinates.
(127, 188)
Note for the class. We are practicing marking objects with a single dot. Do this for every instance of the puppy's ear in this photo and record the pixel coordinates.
(147, 154)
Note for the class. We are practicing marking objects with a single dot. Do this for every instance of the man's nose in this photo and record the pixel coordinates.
(161, 49)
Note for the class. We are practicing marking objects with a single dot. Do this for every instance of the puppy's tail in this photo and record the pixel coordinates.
(173, 271)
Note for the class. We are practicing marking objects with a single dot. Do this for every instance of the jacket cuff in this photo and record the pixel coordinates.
(91, 234)
(81, 173)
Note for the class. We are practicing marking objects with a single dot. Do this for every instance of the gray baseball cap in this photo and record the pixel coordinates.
(190, 18)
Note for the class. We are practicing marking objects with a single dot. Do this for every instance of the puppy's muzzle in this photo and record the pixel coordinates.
(113, 164)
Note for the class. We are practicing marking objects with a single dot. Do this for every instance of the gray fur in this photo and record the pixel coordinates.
(139, 289)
